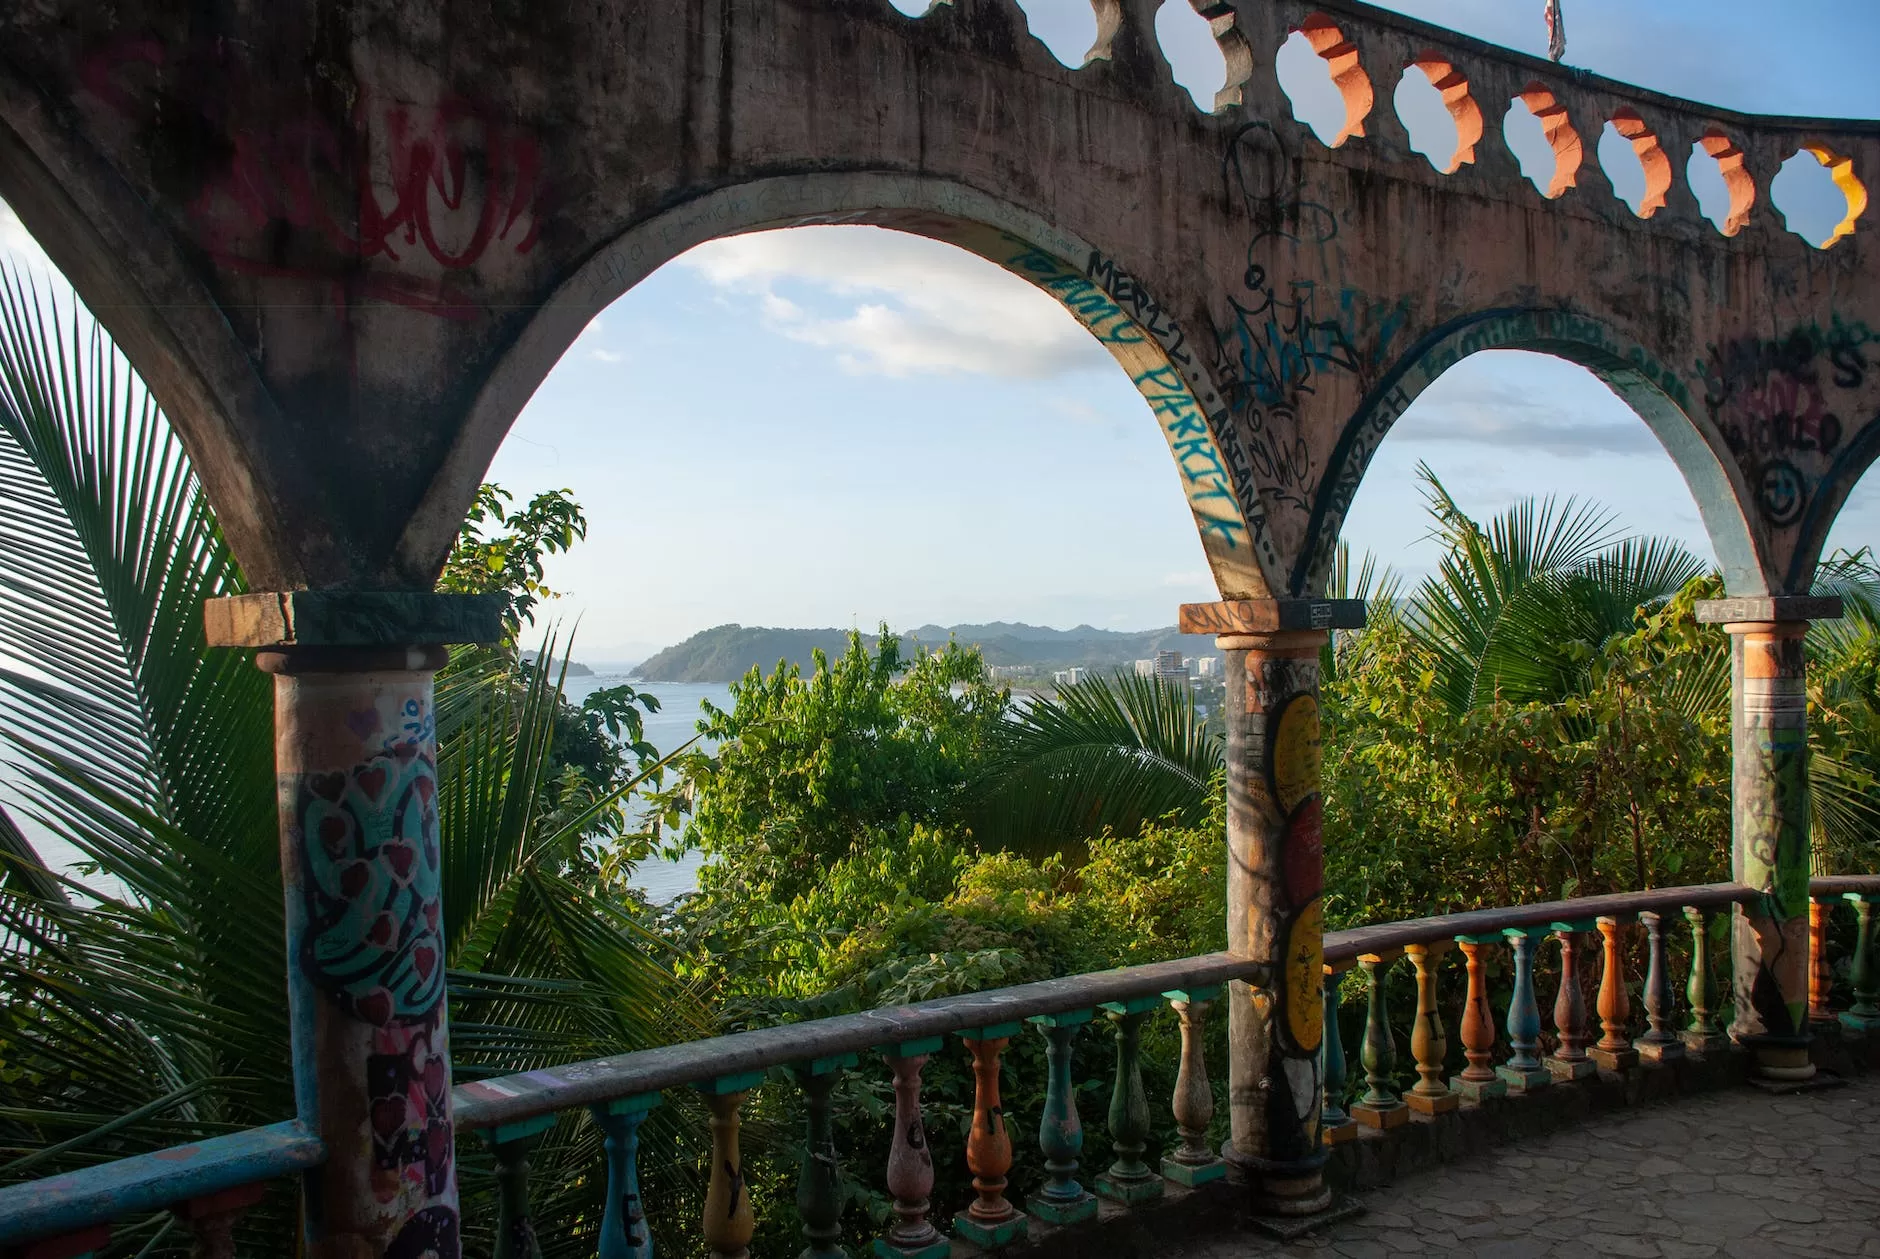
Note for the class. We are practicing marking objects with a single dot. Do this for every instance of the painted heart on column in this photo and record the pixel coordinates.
(371, 884)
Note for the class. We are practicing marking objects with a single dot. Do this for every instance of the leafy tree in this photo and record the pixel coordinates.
(807, 768)
(512, 559)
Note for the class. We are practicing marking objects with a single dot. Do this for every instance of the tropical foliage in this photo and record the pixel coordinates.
(143, 1000)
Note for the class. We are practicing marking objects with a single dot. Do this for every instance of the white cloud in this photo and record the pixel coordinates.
(906, 306)
(606, 356)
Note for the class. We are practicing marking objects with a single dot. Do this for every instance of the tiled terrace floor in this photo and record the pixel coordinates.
(1736, 1173)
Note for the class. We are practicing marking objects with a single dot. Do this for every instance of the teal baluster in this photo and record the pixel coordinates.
(819, 1184)
(624, 1234)
(1060, 1132)
(1703, 1036)
(1379, 1107)
(512, 1144)
(1130, 1180)
(1865, 1012)
(1334, 1123)
(1524, 1069)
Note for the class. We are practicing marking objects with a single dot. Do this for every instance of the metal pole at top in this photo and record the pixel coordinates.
(1556, 31)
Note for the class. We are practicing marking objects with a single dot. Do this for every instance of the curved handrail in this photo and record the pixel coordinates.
(148, 1182)
(513, 1098)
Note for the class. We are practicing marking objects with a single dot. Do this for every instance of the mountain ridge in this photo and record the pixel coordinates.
(725, 653)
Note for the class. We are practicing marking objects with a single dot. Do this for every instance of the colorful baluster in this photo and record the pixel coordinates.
(1658, 1044)
(1569, 1060)
(1379, 1107)
(1614, 1051)
(1193, 1163)
(624, 1234)
(1865, 1013)
(990, 1221)
(1703, 1036)
(512, 1144)
(728, 1223)
(212, 1219)
(1820, 977)
(1429, 1043)
(1130, 1179)
(1060, 1132)
(1335, 1124)
(819, 1182)
(1478, 1080)
(910, 1162)
(1524, 1071)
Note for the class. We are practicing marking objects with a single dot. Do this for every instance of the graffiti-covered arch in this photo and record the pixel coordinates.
(1116, 308)
(1655, 391)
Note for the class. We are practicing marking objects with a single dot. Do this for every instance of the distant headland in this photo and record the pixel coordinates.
(726, 653)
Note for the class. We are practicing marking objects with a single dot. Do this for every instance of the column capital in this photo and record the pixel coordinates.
(1270, 616)
(1759, 610)
(352, 618)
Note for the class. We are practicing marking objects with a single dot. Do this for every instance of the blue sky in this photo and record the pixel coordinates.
(865, 456)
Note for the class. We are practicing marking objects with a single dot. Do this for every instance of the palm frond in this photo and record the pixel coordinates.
(1105, 753)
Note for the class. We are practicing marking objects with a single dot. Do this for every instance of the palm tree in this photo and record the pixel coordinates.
(1516, 610)
(143, 992)
(1103, 754)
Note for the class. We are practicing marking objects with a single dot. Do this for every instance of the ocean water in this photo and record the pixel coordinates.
(673, 724)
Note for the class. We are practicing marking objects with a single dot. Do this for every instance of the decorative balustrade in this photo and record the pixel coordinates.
(208, 1184)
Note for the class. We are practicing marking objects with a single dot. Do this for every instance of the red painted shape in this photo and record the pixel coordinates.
(1303, 852)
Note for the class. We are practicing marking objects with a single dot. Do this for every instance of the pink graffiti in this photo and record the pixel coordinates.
(426, 187)
(1786, 413)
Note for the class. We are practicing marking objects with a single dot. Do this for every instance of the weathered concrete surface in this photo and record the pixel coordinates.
(345, 239)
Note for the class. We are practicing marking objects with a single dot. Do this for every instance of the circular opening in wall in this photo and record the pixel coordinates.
(1635, 163)
(1819, 195)
(1319, 71)
(1069, 31)
(1443, 120)
(1723, 187)
(1543, 141)
(1194, 57)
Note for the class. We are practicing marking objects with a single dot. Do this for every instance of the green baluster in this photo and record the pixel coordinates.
(624, 1234)
(512, 1145)
(1865, 1013)
(1380, 1107)
(819, 1184)
(1703, 1036)
(1130, 1179)
(1060, 1132)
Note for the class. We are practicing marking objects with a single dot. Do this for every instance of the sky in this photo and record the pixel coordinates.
(865, 456)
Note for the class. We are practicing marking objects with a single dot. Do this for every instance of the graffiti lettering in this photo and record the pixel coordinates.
(1768, 399)
(396, 181)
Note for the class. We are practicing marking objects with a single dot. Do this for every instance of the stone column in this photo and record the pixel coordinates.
(1770, 845)
(1275, 876)
(356, 772)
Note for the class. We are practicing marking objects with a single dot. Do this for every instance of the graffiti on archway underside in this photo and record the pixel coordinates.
(1770, 399)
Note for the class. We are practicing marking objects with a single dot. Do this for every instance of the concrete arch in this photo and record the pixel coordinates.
(1144, 338)
(1654, 391)
(1824, 509)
